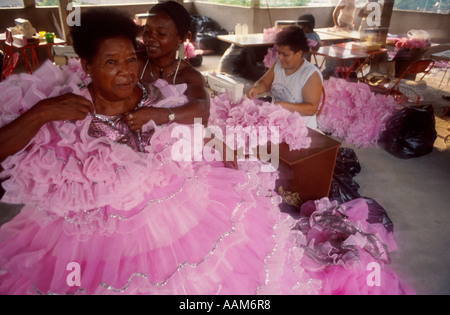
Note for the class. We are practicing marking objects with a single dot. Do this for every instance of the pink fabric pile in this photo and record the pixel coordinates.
(354, 113)
(249, 114)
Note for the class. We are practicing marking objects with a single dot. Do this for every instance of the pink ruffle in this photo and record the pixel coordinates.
(271, 57)
(143, 223)
(349, 273)
(250, 115)
(62, 170)
(411, 43)
(353, 113)
(269, 34)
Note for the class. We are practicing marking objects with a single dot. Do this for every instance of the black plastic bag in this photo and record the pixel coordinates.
(2, 191)
(205, 31)
(411, 132)
(233, 60)
(377, 214)
(343, 187)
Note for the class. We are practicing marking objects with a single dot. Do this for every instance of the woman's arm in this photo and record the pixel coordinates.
(198, 98)
(312, 92)
(263, 84)
(17, 134)
(336, 12)
(196, 107)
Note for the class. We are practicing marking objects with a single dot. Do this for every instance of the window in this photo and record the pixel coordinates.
(48, 3)
(283, 3)
(436, 6)
(11, 4)
(245, 3)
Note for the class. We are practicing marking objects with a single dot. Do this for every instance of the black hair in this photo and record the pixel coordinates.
(177, 13)
(99, 24)
(307, 20)
(294, 37)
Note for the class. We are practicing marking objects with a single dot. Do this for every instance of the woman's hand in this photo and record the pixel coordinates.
(64, 107)
(139, 117)
(18, 133)
(252, 93)
(263, 84)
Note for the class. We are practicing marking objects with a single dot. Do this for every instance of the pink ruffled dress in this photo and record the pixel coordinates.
(354, 113)
(107, 211)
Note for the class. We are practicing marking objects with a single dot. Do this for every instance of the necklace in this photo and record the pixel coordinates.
(161, 70)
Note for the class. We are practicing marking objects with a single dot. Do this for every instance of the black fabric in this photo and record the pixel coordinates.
(410, 132)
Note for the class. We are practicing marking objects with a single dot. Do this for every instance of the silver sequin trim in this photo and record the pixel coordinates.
(180, 266)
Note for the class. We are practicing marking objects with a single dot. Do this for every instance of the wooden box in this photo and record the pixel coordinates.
(309, 171)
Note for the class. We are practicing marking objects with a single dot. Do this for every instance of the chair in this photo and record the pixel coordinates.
(10, 59)
(322, 104)
(9, 65)
(412, 88)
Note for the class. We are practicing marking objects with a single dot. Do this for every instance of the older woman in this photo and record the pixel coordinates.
(110, 210)
(108, 207)
(295, 83)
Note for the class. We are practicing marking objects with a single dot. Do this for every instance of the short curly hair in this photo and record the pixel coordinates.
(99, 24)
(294, 37)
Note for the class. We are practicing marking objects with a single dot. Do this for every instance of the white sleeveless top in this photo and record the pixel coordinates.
(289, 88)
(347, 14)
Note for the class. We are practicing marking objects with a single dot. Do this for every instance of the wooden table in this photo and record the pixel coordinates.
(325, 37)
(309, 171)
(31, 49)
(344, 51)
(253, 40)
(250, 40)
(353, 35)
(445, 56)
(361, 62)
(341, 55)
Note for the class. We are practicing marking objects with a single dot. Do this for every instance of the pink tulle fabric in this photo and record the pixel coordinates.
(354, 113)
(364, 247)
(269, 34)
(190, 51)
(271, 56)
(145, 223)
(411, 43)
(251, 115)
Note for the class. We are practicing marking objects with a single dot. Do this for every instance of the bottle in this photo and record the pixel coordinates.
(238, 29)
(244, 30)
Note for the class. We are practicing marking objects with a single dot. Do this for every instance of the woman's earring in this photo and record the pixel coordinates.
(180, 52)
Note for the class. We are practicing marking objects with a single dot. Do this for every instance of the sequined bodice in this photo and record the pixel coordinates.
(116, 129)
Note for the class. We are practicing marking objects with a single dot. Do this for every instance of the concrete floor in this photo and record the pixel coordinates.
(414, 192)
